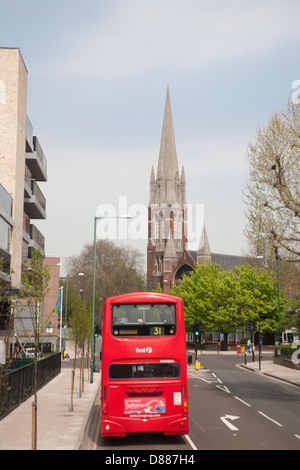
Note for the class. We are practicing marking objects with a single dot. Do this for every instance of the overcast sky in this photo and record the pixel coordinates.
(97, 81)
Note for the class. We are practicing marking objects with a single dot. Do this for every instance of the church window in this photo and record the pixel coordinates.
(177, 226)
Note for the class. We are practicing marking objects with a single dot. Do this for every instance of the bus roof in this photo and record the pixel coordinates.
(143, 297)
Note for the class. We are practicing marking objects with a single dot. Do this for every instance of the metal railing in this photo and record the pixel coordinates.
(39, 151)
(16, 386)
(36, 191)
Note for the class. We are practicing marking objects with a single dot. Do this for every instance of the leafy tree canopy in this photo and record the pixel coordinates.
(228, 298)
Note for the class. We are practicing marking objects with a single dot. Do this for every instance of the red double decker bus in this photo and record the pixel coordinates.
(144, 367)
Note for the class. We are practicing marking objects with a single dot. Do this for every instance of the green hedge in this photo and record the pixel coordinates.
(285, 352)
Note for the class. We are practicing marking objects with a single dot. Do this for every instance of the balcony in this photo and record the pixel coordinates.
(35, 205)
(37, 239)
(29, 136)
(27, 183)
(36, 161)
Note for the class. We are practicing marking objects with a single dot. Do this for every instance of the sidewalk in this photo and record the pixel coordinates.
(276, 371)
(57, 427)
(285, 374)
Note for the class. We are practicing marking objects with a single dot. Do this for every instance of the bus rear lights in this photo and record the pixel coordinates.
(104, 408)
(185, 407)
(107, 427)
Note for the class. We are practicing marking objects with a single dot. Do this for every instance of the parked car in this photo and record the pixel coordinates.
(29, 352)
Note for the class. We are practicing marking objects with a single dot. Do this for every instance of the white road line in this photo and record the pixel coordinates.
(190, 442)
(296, 435)
(224, 388)
(273, 420)
(245, 403)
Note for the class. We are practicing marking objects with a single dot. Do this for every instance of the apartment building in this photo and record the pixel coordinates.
(23, 171)
(22, 167)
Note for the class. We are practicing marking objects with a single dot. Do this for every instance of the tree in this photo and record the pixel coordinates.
(273, 187)
(35, 286)
(119, 269)
(291, 318)
(158, 288)
(81, 334)
(72, 298)
(228, 298)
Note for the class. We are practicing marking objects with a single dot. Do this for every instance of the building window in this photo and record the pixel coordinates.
(4, 235)
(177, 225)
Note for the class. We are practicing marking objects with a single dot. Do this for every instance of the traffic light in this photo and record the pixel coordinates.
(248, 324)
(197, 328)
(96, 332)
(261, 335)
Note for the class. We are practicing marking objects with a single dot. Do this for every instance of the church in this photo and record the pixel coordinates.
(168, 257)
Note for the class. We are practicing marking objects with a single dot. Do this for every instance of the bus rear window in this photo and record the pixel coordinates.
(144, 371)
(144, 319)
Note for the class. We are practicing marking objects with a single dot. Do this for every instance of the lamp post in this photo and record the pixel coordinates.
(94, 276)
(278, 300)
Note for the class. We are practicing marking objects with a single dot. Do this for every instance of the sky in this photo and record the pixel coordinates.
(97, 81)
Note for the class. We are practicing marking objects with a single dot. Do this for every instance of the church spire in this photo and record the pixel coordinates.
(152, 187)
(204, 253)
(167, 170)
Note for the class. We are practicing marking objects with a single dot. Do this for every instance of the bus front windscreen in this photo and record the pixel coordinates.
(144, 319)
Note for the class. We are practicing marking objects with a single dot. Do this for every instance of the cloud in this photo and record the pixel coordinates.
(133, 37)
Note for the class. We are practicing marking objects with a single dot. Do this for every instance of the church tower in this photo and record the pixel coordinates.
(167, 255)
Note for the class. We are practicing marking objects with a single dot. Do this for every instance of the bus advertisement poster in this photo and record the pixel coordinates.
(144, 405)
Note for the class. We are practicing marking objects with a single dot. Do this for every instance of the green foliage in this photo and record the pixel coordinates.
(158, 288)
(71, 292)
(81, 321)
(228, 298)
(244, 341)
(291, 317)
(285, 352)
(35, 286)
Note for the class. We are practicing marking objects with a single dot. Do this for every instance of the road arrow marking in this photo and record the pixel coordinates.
(230, 425)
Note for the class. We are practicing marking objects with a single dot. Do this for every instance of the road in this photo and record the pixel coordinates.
(230, 408)
(233, 408)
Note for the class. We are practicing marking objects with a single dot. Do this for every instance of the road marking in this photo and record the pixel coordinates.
(224, 388)
(190, 442)
(210, 378)
(230, 425)
(296, 435)
(245, 403)
(273, 420)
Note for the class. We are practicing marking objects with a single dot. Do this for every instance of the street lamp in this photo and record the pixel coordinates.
(94, 275)
(278, 300)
